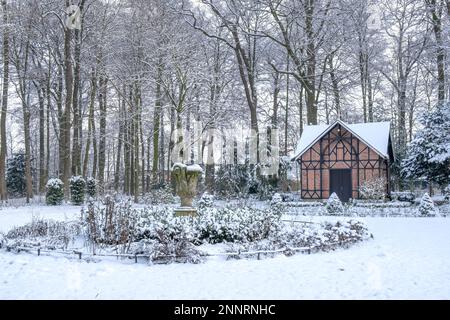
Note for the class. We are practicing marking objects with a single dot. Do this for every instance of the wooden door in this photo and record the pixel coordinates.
(341, 183)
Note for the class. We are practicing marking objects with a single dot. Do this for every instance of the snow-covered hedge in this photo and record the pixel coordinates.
(157, 196)
(55, 192)
(405, 196)
(213, 225)
(373, 189)
(318, 237)
(236, 224)
(43, 233)
(77, 189)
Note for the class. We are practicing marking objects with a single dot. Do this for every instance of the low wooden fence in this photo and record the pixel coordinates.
(256, 253)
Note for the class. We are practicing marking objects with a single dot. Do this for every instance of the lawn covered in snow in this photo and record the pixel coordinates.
(409, 258)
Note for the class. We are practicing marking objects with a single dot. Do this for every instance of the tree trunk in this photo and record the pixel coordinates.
(156, 122)
(103, 81)
(28, 178)
(42, 174)
(286, 115)
(435, 14)
(77, 123)
(3, 191)
(65, 128)
(49, 105)
(276, 91)
(402, 115)
(91, 125)
(300, 109)
(310, 86)
(122, 114)
(334, 84)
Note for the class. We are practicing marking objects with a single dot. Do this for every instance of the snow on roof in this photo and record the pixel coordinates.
(374, 134)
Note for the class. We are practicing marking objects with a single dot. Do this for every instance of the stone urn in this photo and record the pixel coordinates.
(186, 178)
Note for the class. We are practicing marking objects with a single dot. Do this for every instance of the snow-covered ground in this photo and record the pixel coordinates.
(18, 216)
(409, 258)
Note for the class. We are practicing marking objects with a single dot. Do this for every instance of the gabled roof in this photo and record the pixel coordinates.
(375, 134)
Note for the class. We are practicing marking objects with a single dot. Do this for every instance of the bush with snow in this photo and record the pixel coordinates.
(77, 189)
(403, 196)
(213, 225)
(43, 233)
(160, 195)
(91, 187)
(315, 237)
(15, 175)
(373, 189)
(426, 207)
(216, 225)
(206, 201)
(111, 222)
(175, 248)
(277, 203)
(55, 192)
(276, 199)
(334, 205)
(447, 193)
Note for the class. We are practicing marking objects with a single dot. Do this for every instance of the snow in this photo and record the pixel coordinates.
(178, 165)
(10, 217)
(54, 183)
(407, 259)
(375, 134)
(194, 168)
(189, 168)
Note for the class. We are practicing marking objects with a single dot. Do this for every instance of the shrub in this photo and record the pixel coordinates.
(112, 222)
(55, 192)
(91, 187)
(277, 203)
(77, 189)
(403, 196)
(15, 175)
(213, 225)
(175, 248)
(206, 201)
(318, 237)
(426, 206)
(447, 193)
(236, 224)
(43, 233)
(373, 189)
(161, 195)
(334, 205)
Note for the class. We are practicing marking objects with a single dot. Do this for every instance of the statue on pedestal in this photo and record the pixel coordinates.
(186, 178)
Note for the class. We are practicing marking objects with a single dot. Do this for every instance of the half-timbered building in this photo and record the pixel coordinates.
(340, 157)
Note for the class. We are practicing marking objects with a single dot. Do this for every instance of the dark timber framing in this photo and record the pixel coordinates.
(339, 148)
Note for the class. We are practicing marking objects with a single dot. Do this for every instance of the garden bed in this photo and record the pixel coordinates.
(154, 235)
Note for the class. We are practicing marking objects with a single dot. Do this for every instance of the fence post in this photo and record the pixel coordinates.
(39, 251)
(135, 258)
(259, 257)
(309, 250)
(79, 255)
